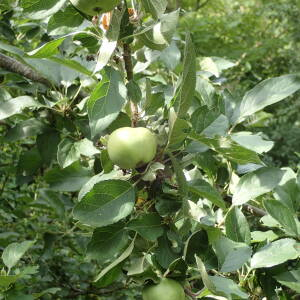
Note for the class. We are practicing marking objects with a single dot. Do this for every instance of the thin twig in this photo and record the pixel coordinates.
(255, 210)
(12, 65)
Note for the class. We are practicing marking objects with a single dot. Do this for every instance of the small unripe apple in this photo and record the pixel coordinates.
(167, 289)
(95, 7)
(130, 147)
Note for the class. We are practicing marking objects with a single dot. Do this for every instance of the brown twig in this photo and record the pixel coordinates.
(255, 210)
(12, 65)
(129, 71)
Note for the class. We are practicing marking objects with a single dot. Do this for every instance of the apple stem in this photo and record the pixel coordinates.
(129, 70)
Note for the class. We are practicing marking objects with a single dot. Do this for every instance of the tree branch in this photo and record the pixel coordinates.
(12, 65)
(254, 210)
(129, 70)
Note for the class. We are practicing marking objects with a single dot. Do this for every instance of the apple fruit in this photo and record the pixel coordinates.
(95, 7)
(131, 147)
(167, 289)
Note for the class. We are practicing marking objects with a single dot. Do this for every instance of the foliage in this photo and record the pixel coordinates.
(211, 211)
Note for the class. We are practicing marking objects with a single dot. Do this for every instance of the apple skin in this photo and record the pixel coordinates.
(167, 289)
(130, 147)
(95, 7)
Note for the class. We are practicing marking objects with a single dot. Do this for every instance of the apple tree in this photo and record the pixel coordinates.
(129, 169)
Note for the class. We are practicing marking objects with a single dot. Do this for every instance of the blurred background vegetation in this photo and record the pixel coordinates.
(263, 38)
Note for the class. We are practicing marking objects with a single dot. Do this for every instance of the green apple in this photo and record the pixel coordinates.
(95, 7)
(131, 147)
(167, 289)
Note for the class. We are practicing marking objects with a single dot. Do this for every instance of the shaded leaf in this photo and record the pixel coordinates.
(266, 93)
(16, 106)
(107, 242)
(186, 88)
(237, 227)
(121, 258)
(106, 101)
(70, 179)
(275, 253)
(108, 202)
(13, 252)
(283, 215)
(149, 226)
(203, 189)
(255, 184)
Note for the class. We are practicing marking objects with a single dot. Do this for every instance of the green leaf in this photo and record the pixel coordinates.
(209, 122)
(215, 65)
(165, 253)
(181, 180)
(54, 71)
(13, 252)
(231, 255)
(203, 189)
(170, 56)
(69, 152)
(288, 191)
(152, 171)
(72, 64)
(107, 242)
(186, 87)
(64, 21)
(159, 35)
(290, 279)
(204, 276)
(228, 288)
(205, 91)
(47, 144)
(111, 276)
(283, 215)
(275, 253)
(29, 162)
(149, 226)
(261, 236)
(228, 148)
(134, 92)
(47, 50)
(178, 131)
(266, 93)
(16, 106)
(155, 7)
(252, 141)
(70, 179)
(256, 184)
(237, 227)
(106, 163)
(121, 258)
(25, 129)
(7, 280)
(106, 101)
(100, 177)
(110, 41)
(36, 9)
(108, 202)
